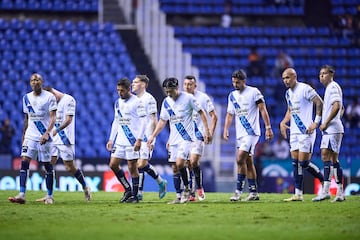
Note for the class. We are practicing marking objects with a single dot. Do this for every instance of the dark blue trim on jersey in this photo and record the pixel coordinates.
(198, 134)
(179, 126)
(39, 125)
(62, 135)
(129, 135)
(244, 122)
(299, 123)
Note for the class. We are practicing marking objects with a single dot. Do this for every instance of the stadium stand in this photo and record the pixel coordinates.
(217, 51)
(76, 57)
(80, 57)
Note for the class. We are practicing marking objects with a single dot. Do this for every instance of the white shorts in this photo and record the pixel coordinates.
(197, 147)
(145, 152)
(125, 152)
(302, 142)
(181, 150)
(247, 143)
(34, 150)
(332, 141)
(65, 152)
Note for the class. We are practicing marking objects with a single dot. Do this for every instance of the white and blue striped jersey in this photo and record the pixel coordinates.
(129, 115)
(66, 107)
(179, 115)
(38, 109)
(207, 106)
(300, 104)
(333, 93)
(149, 102)
(243, 106)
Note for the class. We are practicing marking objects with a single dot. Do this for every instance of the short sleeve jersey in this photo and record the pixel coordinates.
(128, 114)
(243, 105)
(66, 107)
(179, 115)
(149, 102)
(207, 105)
(300, 104)
(38, 109)
(333, 93)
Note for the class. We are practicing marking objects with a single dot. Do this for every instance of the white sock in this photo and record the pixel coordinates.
(339, 191)
(326, 187)
(298, 192)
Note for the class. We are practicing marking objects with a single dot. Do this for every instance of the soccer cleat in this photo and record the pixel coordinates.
(175, 201)
(294, 198)
(253, 196)
(236, 196)
(17, 199)
(41, 199)
(125, 197)
(321, 197)
(140, 196)
(49, 200)
(338, 199)
(87, 194)
(162, 189)
(185, 196)
(132, 199)
(201, 194)
(192, 198)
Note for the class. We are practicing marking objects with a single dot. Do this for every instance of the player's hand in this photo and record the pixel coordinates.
(269, 134)
(109, 145)
(226, 135)
(44, 138)
(54, 132)
(207, 137)
(283, 129)
(137, 145)
(323, 127)
(311, 128)
(150, 141)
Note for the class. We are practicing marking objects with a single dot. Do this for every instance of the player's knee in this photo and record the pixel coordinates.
(141, 164)
(194, 164)
(69, 166)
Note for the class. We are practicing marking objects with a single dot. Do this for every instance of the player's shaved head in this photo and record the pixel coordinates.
(290, 71)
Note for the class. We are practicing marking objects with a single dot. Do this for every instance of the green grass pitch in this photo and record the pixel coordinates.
(215, 218)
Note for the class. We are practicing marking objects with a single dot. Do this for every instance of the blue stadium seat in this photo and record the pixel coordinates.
(42, 25)
(56, 25)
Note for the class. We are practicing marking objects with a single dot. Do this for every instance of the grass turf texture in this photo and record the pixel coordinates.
(215, 218)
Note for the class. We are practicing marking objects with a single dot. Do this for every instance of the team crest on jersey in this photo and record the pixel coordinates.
(239, 99)
(113, 149)
(24, 149)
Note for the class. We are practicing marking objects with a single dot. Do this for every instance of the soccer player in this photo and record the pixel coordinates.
(197, 149)
(245, 102)
(128, 128)
(177, 108)
(39, 107)
(332, 133)
(139, 85)
(301, 99)
(63, 145)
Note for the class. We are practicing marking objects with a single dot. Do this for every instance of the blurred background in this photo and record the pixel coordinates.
(82, 47)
